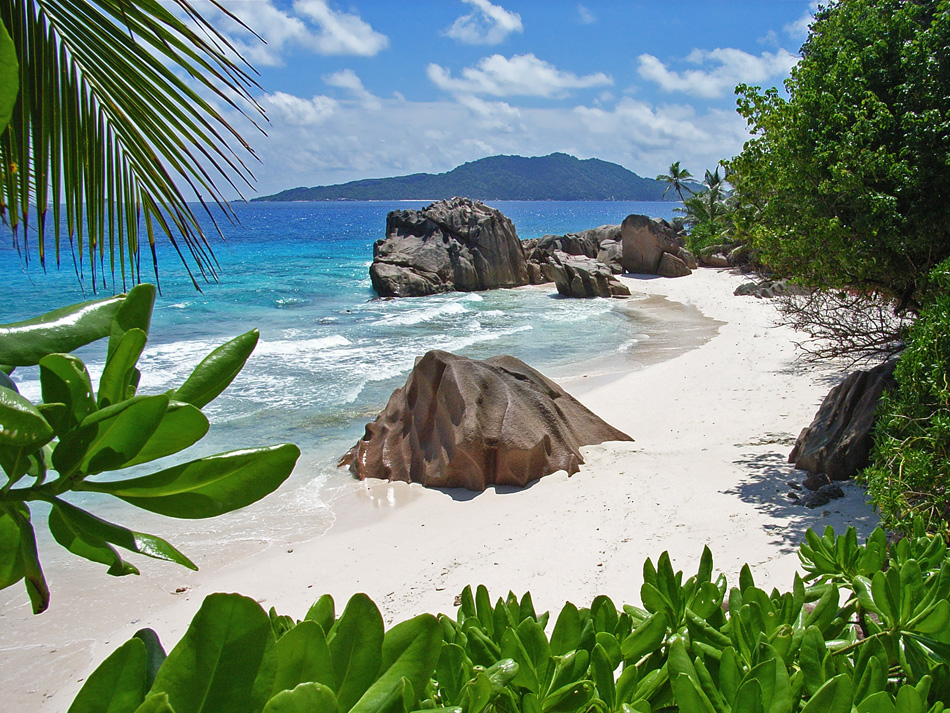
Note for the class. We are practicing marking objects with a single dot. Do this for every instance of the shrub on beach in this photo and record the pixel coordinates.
(910, 464)
(870, 632)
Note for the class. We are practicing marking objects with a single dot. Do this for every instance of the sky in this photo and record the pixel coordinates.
(373, 88)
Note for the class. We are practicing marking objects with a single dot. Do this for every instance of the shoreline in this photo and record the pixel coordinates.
(712, 427)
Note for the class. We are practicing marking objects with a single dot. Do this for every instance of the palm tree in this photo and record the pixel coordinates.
(676, 179)
(116, 127)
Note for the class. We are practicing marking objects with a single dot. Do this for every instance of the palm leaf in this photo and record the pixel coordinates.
(117, 107)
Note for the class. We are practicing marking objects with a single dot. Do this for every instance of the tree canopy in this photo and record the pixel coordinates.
(844, 184)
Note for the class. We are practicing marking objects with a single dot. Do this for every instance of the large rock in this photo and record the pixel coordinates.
(458, 244)
(585, 242)
(838, 441)
(645, 241)
(464, 423)
(579, 276)
(611, 254)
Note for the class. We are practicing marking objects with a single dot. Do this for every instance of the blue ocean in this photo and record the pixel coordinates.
(329, 354)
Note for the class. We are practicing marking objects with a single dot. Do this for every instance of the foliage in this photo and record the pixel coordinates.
(910, 463)
(109, 77)
(554, 177)
(78, 433)
(676, 179)
(708, 213)
(696, 646)
(839, 186)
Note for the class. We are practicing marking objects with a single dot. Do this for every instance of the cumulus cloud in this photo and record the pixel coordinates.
(586, 17)
(725, 69)
(521, 75)
(347, 79)
(296, 111)
(798, 30)
(310, 25)
(487, 24)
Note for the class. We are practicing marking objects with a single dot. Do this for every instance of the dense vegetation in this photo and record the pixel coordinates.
(557, 177)
(870, 633)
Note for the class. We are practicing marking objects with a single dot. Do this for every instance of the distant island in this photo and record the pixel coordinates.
(557, 177)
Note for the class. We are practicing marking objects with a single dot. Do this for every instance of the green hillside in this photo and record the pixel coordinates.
(557, 177)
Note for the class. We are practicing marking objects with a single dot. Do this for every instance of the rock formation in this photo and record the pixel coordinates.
(838, 441)
(611, 254)
(650, 247)
(458, 244)
(579, 276)
(464, 423)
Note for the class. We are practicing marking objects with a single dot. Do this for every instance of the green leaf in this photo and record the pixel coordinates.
(833, 697)
(182, 426)
(155, 703)
(120, 367)
(134, 313)
(208, 486)
(154, 654)
(64, 380)
(302, 657)
(603, 675)
(9, 77)
(226, 661)
(86, 535)
(322, 612)
(217, 370)
(689, 697)
(118, 685)
(109, 439)
(305, 698)
(646, 638)
(356, 641)
(877, 703)
(18, 556)
(566, 636)
(410, 653)
(21, 425)
(60, 331)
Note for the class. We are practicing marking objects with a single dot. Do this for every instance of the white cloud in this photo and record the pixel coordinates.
(798, 30)
(727, 68)
(521, 75)
(487, 24)
(348, 80)
(585, 15)
(311, 25)
(296, 111)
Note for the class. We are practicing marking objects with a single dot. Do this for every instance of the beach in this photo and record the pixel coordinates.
(712, 428)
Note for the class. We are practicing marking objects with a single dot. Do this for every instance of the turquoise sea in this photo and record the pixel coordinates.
(329, 354)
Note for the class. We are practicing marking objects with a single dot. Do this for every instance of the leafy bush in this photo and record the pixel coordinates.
(696, 646)
(79, 433)
(910, 464)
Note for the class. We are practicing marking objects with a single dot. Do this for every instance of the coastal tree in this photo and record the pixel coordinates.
(677, 179)
(839, 185)
(115, 128)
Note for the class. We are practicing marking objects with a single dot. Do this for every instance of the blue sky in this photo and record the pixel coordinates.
(370, 88)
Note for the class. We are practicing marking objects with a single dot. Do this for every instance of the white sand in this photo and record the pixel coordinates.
(712, 430)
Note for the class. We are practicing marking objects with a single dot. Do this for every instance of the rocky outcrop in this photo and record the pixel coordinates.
(458, 244)
(578, 276)
(645, 241)
(611, 254)
(585, 242)
(464, 423)
(768, 289)
(838, 441)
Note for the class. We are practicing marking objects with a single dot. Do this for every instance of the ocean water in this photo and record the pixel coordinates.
(329, 354)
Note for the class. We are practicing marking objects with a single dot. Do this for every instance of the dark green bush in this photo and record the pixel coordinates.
(910, 463)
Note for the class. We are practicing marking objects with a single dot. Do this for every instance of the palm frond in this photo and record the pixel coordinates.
(116, 108)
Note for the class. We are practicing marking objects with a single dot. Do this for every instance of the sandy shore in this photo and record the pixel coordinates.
(712, 430)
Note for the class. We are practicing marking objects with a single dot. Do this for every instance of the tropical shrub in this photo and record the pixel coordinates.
(866, 628)
(78, 434)
(910, 461)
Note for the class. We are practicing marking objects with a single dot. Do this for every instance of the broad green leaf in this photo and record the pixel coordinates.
(476, 694)
(57, 332)
(134, 313)
(410, 653)
(18, 555)
(11, 567)
(110, 438)
(603, 675)
(646, 638)
(748, 698)
(78, 530)
(323, 612)
(64, 380)
(21, 425)
(305, 698)
(154, 654)
(182, 426)
(119, 368)
(9, 77)
(566, 636)
(453, 671)
(833, 697)
(303, 656)
(689, 696)
(217, 370)
(877, 703)
(206, 487)
(155, 703)
(118, 685)
(356, 641)
(226, 661)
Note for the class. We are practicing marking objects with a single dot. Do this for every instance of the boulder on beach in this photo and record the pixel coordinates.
(585, 242)
(579, 276)
(644, 243)
(456, 244)
(838, 441)
(466, 423)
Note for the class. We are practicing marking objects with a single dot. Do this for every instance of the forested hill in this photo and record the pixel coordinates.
(515, 178)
